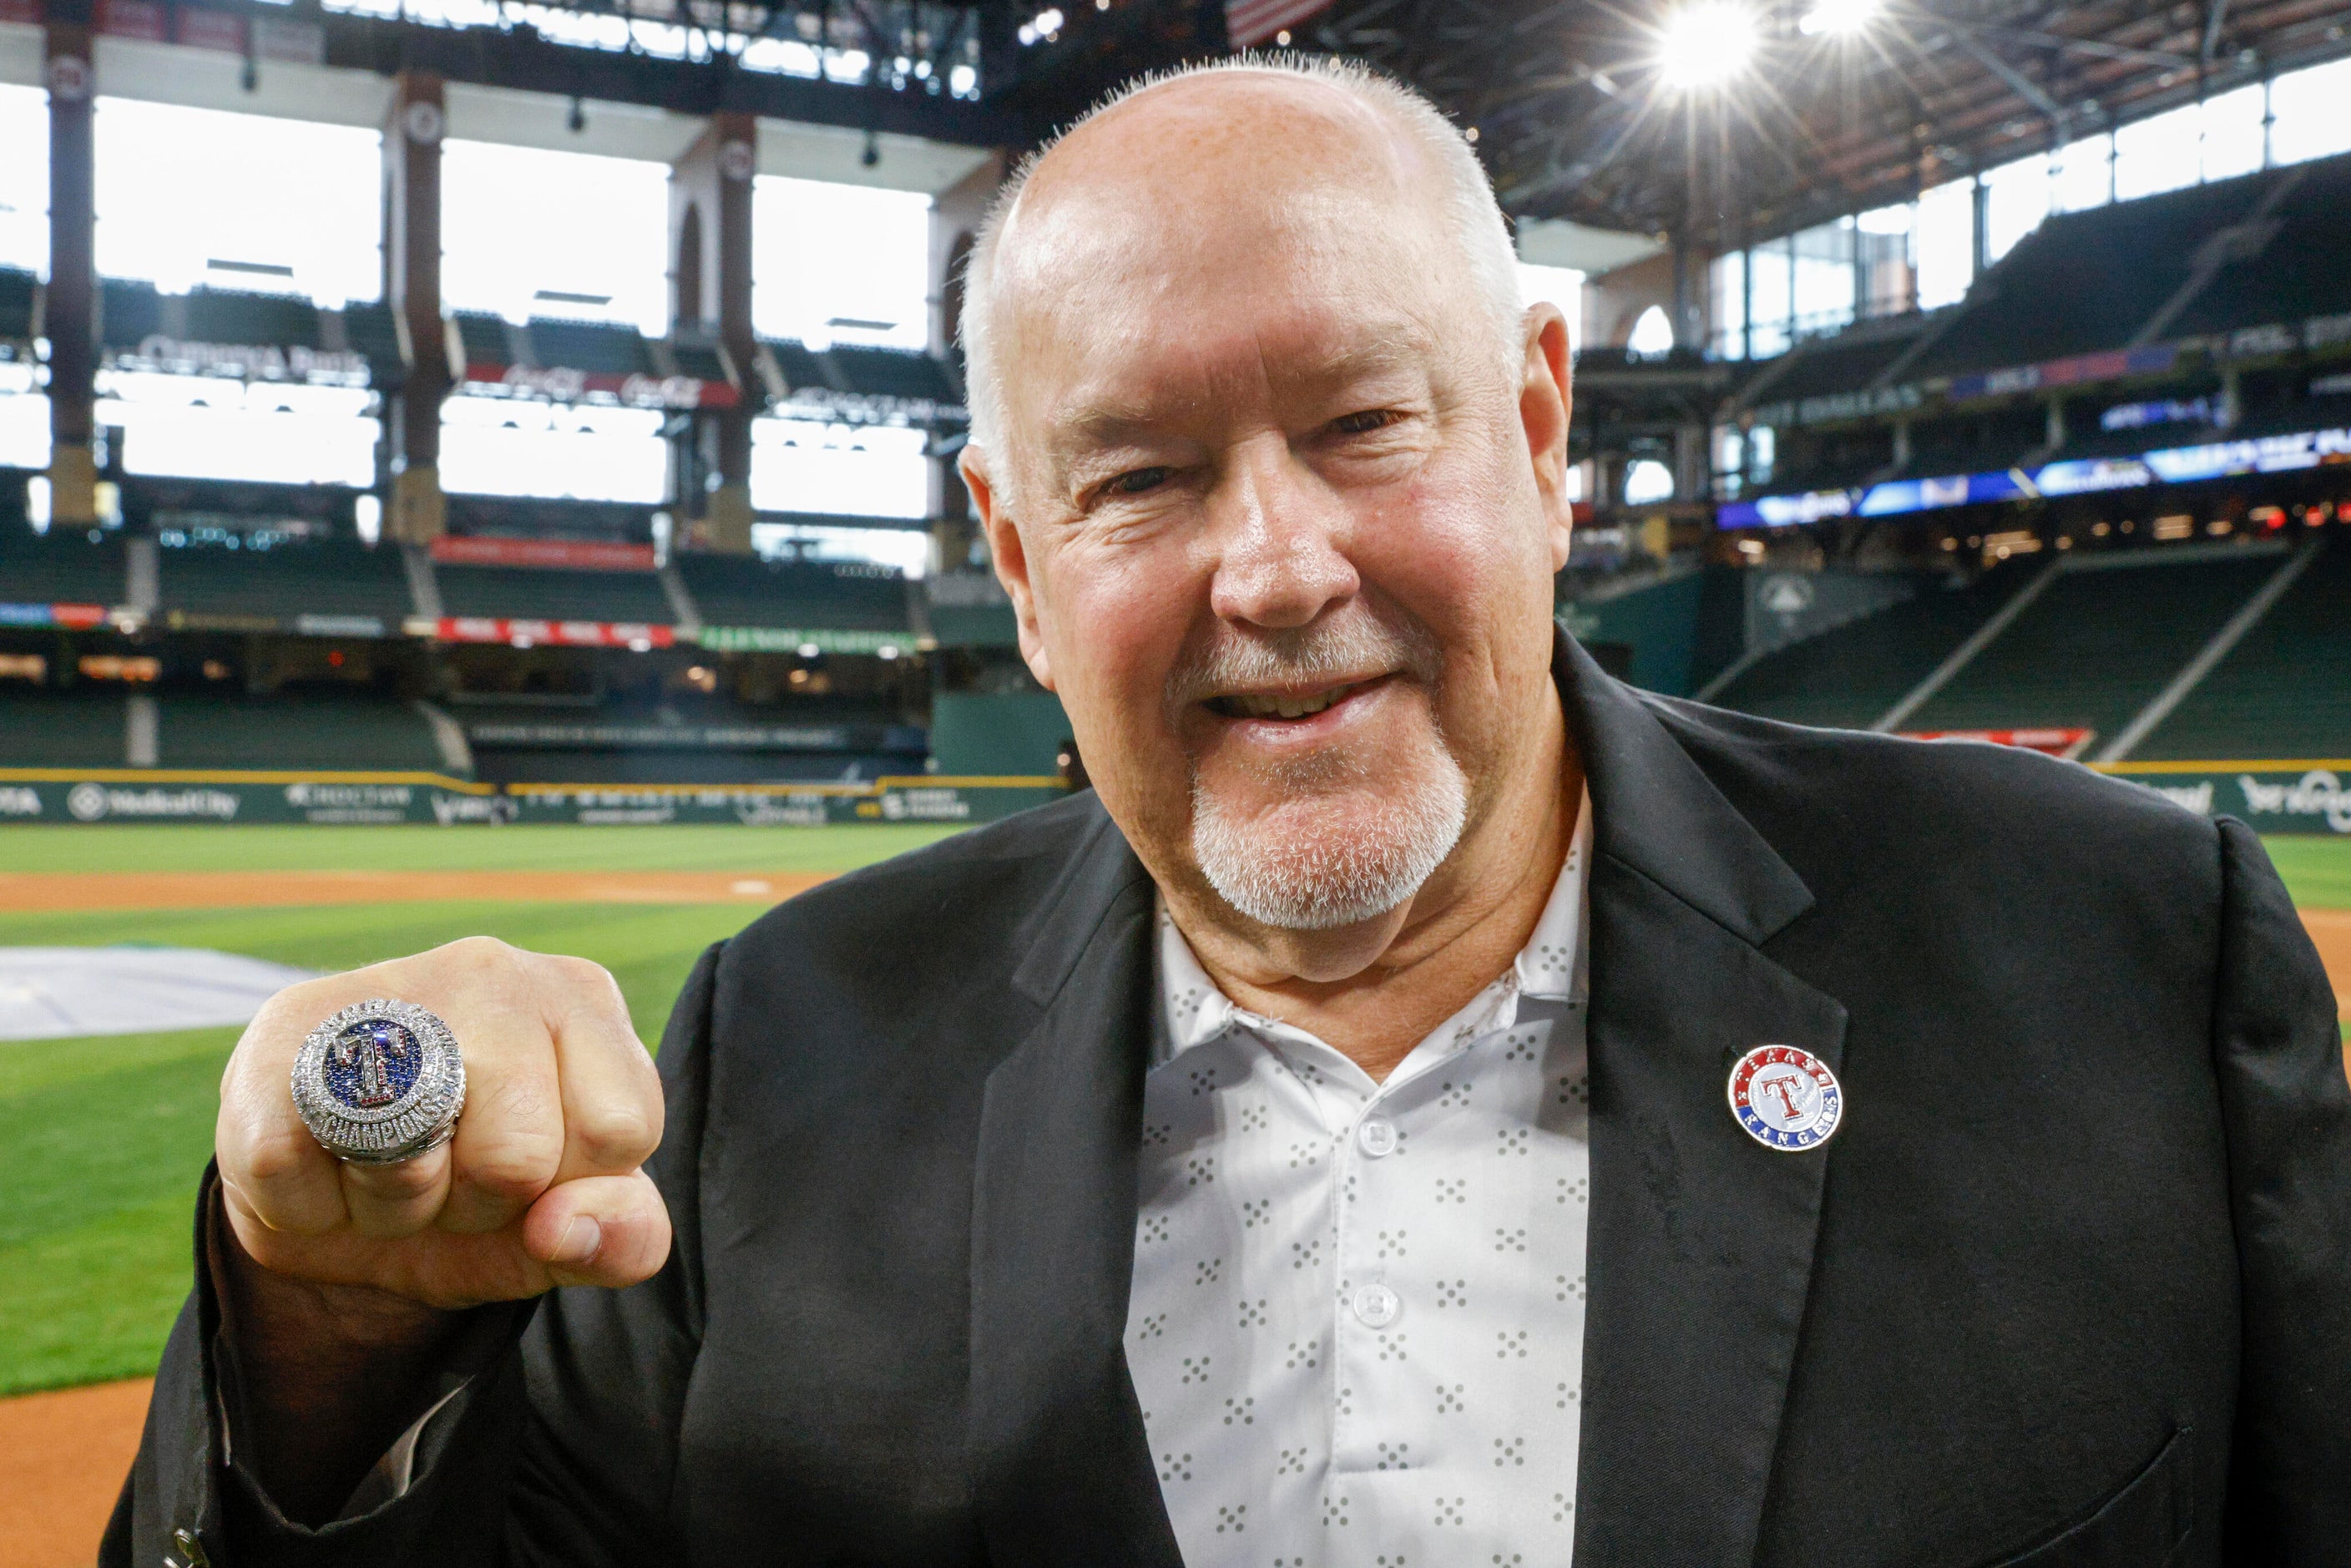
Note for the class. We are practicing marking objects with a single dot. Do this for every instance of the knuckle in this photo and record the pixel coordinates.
(513, 1169)
(274, 1156)
(616, 1135)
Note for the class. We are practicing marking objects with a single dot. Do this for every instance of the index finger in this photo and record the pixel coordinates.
(266, 1155)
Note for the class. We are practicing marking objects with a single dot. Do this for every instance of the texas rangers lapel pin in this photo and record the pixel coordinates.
(1785, 1098)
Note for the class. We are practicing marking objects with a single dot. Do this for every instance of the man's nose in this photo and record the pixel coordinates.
(1279, 530)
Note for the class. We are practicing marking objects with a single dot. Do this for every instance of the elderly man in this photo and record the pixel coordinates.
(1433, 1106)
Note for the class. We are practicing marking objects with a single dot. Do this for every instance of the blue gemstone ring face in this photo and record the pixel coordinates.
(379, 1081)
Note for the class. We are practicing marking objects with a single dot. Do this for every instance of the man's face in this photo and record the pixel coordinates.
(1278, 509)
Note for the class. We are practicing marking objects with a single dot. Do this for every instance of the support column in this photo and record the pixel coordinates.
(956, 218)
(710, 246)
(71, 314)
(412, 288)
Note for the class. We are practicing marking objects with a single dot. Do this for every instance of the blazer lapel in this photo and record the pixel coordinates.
(1060, 1466)
(1701, 1239)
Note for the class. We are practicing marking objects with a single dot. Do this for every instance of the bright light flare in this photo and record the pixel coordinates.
(1838, 18)
(1706, 43)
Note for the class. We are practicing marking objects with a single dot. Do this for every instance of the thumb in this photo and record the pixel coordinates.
(610, 1230)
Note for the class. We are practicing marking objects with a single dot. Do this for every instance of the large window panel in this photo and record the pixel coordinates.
(209, 427)
(841, 263)
(2308, 113)
(525, 231)
(2082, 174)
(24, 178)
(189, 196)
(23, 419)
(1772, 298)
(1562, 286)
(499, 447)
(2016, 202)
(1824, 291)
(1726, 288)
(2233, 133)
(1946, 244)
(2162, 152)
(873, 471)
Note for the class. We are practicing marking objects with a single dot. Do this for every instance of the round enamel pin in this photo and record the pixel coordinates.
(1785, 1098)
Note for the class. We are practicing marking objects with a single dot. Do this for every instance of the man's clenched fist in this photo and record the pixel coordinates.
(541, 1185)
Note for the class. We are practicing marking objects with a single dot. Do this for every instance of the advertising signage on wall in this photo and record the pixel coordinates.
(2079, 476)
(555, 383)
(571, 555)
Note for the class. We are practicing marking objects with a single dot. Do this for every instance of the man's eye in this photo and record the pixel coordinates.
(1363, 422)
(1137, 481)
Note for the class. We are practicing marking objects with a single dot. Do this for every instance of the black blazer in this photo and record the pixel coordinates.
(2070, 1287)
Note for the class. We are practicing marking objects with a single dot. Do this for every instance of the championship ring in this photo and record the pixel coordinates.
(379, 1081)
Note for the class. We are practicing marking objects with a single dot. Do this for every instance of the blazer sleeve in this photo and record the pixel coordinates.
(561, 1448)
(2277, 1047)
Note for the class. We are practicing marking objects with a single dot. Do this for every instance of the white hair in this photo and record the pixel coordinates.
(1479, 226)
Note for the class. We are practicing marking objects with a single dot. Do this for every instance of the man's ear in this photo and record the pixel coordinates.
(1004, 547)
(1546, 402)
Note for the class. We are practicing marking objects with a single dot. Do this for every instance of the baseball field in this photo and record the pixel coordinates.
(101, 1139)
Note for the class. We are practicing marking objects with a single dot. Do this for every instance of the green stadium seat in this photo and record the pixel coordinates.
(2285, 691)
(1849, 678)
(60, 567)
(731, 591)
(286, 580)
(2099, 645)
(80, 728)
(361, 732)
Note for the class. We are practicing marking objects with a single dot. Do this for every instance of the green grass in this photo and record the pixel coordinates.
(2318, 871)
(101, 1139)
(132, 847)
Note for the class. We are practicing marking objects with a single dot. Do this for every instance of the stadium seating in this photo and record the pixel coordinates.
(128, 310)
(224, 315)
(2299, 273)
(370, 330)
(524, 593)
(17, 288)
(730, 590)
(303, 577)
(60, 567)
(79, 728)
(341, 732)
(891, 373)
(2034, 305)
(598, 347)
(1849, 678)
(484, 337)
(2099, 645)
(2283, 692)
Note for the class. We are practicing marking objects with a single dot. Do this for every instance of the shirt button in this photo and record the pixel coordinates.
(1376, 1136)
(1376, 1305)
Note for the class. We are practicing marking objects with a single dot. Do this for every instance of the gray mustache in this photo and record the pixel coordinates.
(1324, 650)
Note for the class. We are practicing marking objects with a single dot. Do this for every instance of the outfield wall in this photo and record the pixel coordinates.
(2274, 797)
(2307, 796)
(98, 796)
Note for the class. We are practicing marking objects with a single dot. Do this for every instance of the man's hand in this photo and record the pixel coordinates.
(541, 1185)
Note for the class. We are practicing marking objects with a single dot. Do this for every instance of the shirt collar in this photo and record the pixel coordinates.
(1551, 966)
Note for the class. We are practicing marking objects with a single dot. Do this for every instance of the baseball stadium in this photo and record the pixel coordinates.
(473, 468)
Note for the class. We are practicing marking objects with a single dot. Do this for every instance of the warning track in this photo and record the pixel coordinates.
(259, 889)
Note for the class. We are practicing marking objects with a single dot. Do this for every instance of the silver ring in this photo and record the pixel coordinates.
(379, 1081)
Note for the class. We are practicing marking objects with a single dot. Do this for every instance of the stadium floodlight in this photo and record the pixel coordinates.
(1705, 44)
(1837, 18)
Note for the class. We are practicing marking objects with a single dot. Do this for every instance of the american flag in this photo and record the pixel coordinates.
(1248, 23)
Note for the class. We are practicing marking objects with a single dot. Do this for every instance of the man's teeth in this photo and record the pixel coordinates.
(1251, 705)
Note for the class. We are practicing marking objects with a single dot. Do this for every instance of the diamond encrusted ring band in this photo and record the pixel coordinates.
(379, 1081)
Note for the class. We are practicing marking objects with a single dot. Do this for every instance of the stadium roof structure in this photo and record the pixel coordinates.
(1842, 105)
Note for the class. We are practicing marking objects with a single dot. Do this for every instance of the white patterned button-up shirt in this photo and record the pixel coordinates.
(1357, 1322)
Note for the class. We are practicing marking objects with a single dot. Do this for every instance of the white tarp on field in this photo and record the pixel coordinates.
(46, 992)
